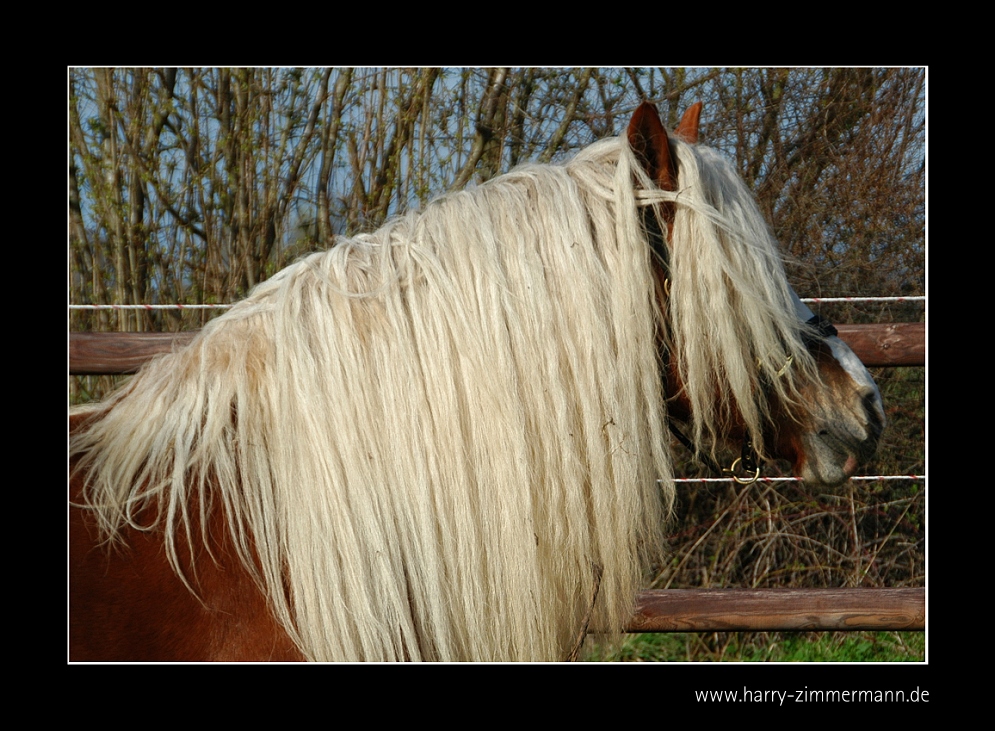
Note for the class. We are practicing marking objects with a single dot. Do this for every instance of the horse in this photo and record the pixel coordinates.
(447, 440)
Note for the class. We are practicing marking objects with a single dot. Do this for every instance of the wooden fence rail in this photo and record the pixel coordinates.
(772, 610)
(898, 344)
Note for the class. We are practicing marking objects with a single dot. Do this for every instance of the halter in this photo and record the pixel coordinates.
(823, 327)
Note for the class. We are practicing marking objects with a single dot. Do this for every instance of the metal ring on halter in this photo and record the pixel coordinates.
(741, 480)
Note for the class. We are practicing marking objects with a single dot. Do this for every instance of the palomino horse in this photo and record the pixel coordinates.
(447, 440)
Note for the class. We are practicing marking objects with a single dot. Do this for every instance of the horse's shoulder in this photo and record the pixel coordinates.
(126, 603)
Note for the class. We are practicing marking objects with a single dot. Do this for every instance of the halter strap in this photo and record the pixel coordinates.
(823, 328)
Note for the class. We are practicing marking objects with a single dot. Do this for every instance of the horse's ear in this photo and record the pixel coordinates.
(687, 130)
(648, 140)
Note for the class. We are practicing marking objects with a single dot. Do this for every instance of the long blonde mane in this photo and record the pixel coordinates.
(429, 442)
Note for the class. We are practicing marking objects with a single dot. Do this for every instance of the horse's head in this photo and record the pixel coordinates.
(824, 415)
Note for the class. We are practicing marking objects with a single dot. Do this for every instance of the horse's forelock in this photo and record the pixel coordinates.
(732, 318)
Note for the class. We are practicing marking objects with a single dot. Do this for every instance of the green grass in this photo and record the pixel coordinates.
(770, 647)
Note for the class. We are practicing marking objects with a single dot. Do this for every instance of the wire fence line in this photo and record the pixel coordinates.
(177, 306)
